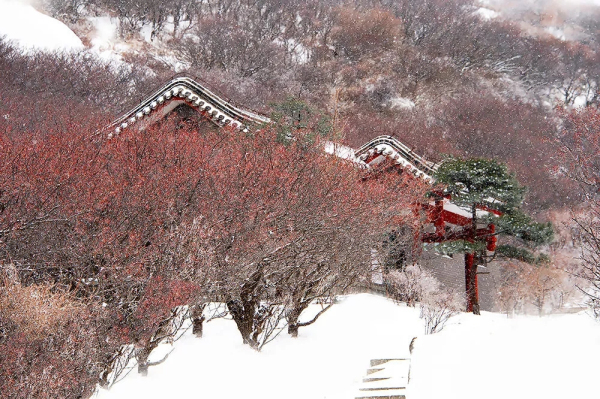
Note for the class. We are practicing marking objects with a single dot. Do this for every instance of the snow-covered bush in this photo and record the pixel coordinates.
(438, 307)
(525, 288)
(413, 285)
(594, 304)
(410, 285)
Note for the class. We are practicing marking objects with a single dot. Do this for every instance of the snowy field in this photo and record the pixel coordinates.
(488, 356)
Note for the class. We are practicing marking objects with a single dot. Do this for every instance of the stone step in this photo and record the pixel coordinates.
(399, 382)
(392, 369)
(381, 388)
(389, 394)
(377, 362)
(386, 379)
(371, 371)
(372, 379)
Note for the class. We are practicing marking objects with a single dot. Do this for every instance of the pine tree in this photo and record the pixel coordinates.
(494, 198)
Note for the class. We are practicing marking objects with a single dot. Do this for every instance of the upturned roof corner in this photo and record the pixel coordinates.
(185, 90)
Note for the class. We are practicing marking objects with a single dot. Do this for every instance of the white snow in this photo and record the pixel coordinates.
(402, 103)
(556, 32)
(461, 210)
(104, 40)
(340, 151)
(32, 30)
(104, 36)
(494, 357)
(486, 13)
(146, 33)
(327, 360)
(487, 356)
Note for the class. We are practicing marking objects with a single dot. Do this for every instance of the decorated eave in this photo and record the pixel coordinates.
(383, 147)
(185, 90)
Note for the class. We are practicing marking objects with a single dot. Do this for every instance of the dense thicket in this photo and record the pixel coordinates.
(580, 156)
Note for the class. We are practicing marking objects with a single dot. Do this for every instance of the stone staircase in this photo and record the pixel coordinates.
(385, 379)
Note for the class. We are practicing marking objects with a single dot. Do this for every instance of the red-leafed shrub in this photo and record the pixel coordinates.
(159, 299)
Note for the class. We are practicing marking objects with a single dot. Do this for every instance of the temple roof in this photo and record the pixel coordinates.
(185, 90)
(389, 147)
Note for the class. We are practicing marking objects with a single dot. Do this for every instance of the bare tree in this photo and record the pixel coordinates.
(411, 285)
(438, 308)
(68, 10)
(579, 147)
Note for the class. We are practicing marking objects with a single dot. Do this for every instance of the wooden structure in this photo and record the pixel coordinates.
(451, 222)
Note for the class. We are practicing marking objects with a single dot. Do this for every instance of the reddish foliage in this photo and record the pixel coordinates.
(579, 146)
(160, 297)
(50, 345)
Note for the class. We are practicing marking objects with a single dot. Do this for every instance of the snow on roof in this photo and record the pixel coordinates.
(185, 90)
(461, 210)
(340, 151)
(222, 112)
(32, 30)
(392, 148)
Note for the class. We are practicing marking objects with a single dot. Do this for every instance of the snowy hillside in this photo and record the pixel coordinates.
(474, 357)
(30, 29)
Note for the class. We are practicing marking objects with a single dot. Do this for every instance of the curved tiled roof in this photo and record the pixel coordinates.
(392, 148)
(185, 90)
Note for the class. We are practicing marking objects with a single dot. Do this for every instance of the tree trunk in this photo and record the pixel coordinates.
(243, 315)
(141, 355)
(243, 310)
(292, 320)
(197, 326)
(293, 330)
(197, 320)
(472, 289)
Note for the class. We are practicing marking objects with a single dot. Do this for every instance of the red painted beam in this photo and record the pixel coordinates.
(464, 234)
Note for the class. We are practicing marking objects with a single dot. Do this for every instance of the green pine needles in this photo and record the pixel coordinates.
(484, 184)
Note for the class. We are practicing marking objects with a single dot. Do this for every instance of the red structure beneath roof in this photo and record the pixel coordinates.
(451, 222)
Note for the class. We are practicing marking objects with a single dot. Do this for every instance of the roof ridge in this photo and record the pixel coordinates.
(185, 90)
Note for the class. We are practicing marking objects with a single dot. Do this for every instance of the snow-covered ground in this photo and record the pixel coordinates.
(327, 360)
(32, 30)
(486, 356)
(495, 357)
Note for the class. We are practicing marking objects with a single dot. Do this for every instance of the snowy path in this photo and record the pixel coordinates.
(386, 378)
(486, 356)
(328, 359)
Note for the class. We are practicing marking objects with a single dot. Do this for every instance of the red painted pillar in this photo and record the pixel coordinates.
(470, 281)
(491, 238)
(475, 288)
(438, 219)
